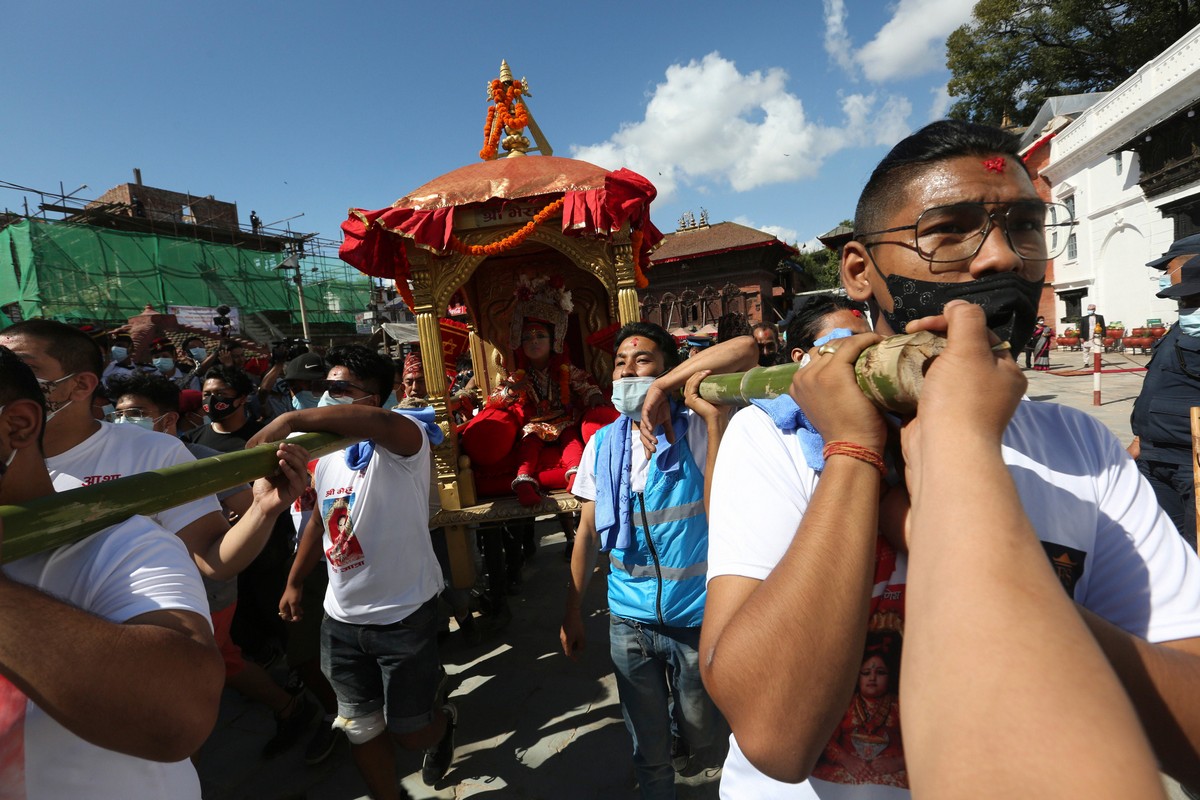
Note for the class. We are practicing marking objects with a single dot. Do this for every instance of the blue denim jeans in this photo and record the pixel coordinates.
(646, 657)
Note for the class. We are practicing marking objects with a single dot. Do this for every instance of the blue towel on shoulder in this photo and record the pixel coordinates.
(789, 417)
(358, 456)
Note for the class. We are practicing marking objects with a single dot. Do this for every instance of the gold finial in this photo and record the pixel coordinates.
(505, 73)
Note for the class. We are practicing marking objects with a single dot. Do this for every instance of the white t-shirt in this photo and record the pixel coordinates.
(585, 479)
(1111, 545)
(383, 567)
(115, 451)
(118, 574)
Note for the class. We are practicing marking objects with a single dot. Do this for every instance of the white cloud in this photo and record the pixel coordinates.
(837, 38)
(913, 41)
(940, 104)
(788, 235)
(709, 123)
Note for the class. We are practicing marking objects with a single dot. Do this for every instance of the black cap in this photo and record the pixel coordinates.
(306, 367)
(1187, 246)
(1189, 280)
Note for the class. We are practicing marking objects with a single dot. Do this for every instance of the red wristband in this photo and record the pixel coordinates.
(857, 452)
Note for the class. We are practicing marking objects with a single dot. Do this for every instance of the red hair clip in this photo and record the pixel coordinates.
(994, 164)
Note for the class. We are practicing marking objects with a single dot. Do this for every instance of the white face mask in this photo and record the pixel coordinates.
(119, 354)
(164, 365)
(629, 394)
(198, 353)
(146, 423)
(326, 401)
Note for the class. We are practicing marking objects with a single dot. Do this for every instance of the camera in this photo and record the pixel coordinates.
(222, 320)
(285, 350)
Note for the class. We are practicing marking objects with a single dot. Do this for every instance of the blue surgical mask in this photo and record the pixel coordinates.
(392, 401)
(198, 353)
(1189, 321)
(120, 354)
(327, 401)
(304, 399)
(164, 365)
(629, 394)
(1164, 282)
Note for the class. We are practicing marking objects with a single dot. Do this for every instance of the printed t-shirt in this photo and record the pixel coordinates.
(118, 574)
(376, 535)
(585, 479)
(1112, 547)
(115, 451)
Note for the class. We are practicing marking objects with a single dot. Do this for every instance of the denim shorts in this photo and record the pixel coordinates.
(391, 667)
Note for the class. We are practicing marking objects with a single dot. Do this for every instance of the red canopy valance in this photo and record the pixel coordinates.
(596, 202)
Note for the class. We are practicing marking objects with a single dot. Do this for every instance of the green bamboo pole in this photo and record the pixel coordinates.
(890, 374)
(66, 517)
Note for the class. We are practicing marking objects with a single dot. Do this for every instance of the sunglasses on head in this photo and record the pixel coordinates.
(336, 388)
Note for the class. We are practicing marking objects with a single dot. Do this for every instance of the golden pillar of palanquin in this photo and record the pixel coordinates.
(628, 307)
(445, 455)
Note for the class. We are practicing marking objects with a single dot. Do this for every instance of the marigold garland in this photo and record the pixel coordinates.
(514, 239)
(639, 277)
(507, 111)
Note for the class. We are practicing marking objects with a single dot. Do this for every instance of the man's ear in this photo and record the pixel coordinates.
(171, 419)
(85, 384)
(854, 271)
(24, 419)
(797, 354)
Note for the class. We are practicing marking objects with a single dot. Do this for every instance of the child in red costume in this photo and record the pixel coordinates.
(551, 392)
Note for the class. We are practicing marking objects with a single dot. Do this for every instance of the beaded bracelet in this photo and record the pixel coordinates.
(855, 451)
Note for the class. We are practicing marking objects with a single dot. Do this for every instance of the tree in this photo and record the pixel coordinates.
(823, 266)
(1014, 54)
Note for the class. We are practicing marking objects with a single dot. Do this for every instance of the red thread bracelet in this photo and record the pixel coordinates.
(857, 452)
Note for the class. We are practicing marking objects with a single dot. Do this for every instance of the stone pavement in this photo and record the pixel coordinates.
(532, 724)
(1067, 384)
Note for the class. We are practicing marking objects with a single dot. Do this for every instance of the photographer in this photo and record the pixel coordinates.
(274, 390)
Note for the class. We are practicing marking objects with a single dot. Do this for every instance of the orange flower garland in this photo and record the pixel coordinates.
(507, 111)
(639, 277)
(564, 384)
(514, 239)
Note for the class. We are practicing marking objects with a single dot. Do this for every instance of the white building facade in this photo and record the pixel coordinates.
(1129, 166)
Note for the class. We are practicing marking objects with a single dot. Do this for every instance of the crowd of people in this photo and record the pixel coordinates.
(781, 582)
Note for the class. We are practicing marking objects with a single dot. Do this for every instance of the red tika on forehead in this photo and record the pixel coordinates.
(995, 164)
(634, 341)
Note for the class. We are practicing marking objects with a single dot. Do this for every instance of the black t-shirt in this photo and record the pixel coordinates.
(224, 442)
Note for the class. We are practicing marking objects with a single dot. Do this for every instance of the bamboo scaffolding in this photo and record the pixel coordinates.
(66, 517)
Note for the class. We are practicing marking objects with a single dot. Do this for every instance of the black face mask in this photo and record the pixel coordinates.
(218, 408)
(1010, 302)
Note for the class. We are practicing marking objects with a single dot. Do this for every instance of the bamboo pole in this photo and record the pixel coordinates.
(66, 517)
(890, 374)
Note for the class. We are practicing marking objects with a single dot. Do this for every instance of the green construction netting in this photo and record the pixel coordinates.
(80, 272)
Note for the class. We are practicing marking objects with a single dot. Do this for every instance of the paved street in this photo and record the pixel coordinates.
(532, 723)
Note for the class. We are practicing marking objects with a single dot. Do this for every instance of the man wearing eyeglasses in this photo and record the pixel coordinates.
(797, 579)
(371, 521)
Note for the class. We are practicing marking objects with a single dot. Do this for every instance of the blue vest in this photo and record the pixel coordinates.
(660, 578)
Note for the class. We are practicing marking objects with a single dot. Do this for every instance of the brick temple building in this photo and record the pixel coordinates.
(701, 272)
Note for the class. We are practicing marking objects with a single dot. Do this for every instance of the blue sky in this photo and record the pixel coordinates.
(771, 114)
